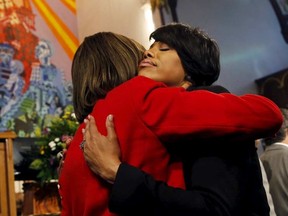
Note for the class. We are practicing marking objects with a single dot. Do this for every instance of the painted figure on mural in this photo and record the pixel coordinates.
(33, 90)
(46, 96)
(11, 80)
(47, 79)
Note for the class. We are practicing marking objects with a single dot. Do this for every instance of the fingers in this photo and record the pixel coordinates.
(87, 130)
(111, 134)
(92, 127)
(91, 132)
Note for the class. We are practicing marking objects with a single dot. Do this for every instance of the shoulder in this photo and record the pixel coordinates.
(281, 147)
(142, 81)
(138, 85)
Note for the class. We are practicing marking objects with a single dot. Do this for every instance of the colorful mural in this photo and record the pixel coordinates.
(37, 44)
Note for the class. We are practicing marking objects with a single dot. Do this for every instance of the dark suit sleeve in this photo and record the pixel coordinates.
(137, 193)
(220, 186)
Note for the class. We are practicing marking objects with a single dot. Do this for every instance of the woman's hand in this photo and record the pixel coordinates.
(102, 153)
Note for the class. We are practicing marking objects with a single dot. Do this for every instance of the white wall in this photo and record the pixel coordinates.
(248, 34)
(125, 17)
(247, 31)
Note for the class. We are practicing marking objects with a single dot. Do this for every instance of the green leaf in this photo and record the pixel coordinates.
(36, 164)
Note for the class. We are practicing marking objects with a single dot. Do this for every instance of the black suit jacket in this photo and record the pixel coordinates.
(221, 179)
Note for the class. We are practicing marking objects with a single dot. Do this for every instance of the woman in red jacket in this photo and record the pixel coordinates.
(147, 113)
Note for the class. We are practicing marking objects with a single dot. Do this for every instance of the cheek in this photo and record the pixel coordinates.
(173, 76)
(176, 70)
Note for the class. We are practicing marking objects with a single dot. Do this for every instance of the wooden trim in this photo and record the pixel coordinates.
(7, 208)
(7, 134)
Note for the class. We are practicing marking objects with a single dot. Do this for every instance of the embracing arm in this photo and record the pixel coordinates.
(135, 191)
(197, 114)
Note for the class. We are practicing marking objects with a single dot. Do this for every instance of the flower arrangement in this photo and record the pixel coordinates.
(52, 144)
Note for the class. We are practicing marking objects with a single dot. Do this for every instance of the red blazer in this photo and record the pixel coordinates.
(147, 113)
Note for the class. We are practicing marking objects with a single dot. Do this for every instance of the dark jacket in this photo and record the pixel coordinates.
(221, 179)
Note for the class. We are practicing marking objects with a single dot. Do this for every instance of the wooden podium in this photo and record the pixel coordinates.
(7, 191)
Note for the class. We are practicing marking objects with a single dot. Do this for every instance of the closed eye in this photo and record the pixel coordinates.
(164, 49)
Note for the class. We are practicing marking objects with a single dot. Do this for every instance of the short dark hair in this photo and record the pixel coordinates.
(199, 54)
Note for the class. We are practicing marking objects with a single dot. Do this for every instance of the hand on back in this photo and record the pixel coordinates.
(102, 153)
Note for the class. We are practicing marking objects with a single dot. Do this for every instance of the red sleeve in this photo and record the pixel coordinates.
(174, 112)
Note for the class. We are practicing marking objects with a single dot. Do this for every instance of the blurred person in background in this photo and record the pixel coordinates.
(275, 162)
